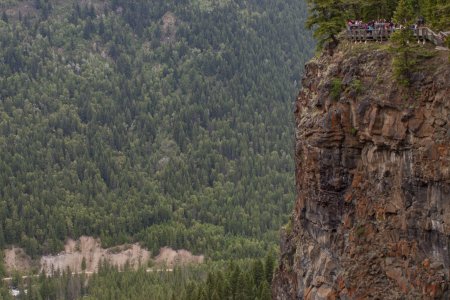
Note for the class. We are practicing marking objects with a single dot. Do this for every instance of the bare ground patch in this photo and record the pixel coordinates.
(170, 258)
(17, 260)
(89, 249)
(24, 8)
(169, 29)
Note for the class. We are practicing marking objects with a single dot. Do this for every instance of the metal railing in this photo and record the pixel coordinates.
(383, 34)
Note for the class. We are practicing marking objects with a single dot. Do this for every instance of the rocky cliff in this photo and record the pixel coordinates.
(372, 214)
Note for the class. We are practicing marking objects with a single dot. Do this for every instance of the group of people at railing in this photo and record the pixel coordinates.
(379, 30)
(370, 26)
(381, 24)
(376, 29)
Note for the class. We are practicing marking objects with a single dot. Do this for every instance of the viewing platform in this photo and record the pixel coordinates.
(357, 34)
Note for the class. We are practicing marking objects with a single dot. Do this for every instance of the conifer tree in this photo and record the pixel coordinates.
(5, 17)
(83, 264)
(258, 272)
(403, 61)
(269, 266)
(404, 13)
(327, 18)
(234, 281)
(442, 15)
(265, 291)
(210, 283)
(2, 267)
(215, 296)
(2, 237)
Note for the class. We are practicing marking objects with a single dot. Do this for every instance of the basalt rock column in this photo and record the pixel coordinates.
(372, 214)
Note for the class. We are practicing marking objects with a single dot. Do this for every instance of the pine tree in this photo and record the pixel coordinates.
(265, 291)
(241, 287)
(269, 266)
(4, 17)
(404, 13)
(221, 285)
(101, 28)
(2, 237)
(210, 283)
(442, 16)
(215, 296)
(2, 267)
(83, 264)
(327, 17)
(403, 61)
(258, 272)
(234, 281)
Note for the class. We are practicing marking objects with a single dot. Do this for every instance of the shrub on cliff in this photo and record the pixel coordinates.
(336, 88)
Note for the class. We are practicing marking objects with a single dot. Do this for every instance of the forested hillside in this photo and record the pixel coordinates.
(163, 122)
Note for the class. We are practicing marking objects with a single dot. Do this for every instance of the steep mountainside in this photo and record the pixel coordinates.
(159, 121)
(372, 215)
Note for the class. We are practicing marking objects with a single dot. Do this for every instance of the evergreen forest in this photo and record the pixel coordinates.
(163, 122)
(167, 123)
(241, 279)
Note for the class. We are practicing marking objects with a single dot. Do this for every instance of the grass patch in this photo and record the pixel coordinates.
(336, 88)
(356, 86)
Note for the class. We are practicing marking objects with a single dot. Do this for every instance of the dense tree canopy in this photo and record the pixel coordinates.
(164, 122)
(233, 280)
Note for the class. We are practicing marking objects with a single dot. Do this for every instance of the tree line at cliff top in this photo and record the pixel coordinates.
(116, 125)
(328, 17)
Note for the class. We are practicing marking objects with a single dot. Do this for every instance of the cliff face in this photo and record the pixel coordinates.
(372, 214)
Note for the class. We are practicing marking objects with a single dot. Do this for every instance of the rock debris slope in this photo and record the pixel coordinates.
(372, 214)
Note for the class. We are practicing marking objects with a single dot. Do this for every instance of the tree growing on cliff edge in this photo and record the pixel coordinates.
(326, 17)
(404, 61)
